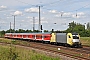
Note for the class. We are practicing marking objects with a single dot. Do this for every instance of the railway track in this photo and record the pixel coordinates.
(79, 50)
(66, 51)
(70, 52)
(76, 53)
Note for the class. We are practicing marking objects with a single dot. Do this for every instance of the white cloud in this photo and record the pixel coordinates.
(71, 15)
(53, 11)
(36, 18)
(64, 14)
(29, 17)
(44, 21)
(17, 13)
(22, 20)
(79, 15)
(32, 10)
(74, 16)
(47, 15)
(3, 7)
(67, 14)
(42, 18)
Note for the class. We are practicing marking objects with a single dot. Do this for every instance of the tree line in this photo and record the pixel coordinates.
(72, 27)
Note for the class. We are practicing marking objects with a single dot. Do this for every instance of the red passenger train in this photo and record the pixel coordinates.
(45, 37)
(65, 39)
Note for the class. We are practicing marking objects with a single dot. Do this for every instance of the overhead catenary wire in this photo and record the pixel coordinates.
(36, 5)
(52, 3)
(72, 10)
(24, 2)
(31, 5)
(47, 4)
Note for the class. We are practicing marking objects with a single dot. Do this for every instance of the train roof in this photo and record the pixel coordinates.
(74, 33)
(27, 33)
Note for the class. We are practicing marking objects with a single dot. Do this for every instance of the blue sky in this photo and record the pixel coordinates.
(51, 11)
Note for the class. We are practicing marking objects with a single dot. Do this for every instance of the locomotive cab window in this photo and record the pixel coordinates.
(75, 37)
(69, 36)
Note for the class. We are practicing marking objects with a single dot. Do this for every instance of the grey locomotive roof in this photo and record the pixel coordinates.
(74, 33)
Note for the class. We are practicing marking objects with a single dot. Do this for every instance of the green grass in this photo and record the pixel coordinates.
(85, 41)
(16, 42)
(17, 53)
(5, 40)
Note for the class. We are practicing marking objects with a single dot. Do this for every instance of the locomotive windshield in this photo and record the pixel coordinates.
(75, 37)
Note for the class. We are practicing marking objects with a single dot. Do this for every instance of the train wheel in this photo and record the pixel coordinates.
(57, 44)
(80, 46)
(43, 42)
(65, 45)
(52, 43)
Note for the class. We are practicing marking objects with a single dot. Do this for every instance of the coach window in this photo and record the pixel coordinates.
(33, 36)
(45, 36)
(40, 36)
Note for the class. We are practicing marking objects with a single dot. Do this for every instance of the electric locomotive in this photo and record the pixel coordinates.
(66, 39)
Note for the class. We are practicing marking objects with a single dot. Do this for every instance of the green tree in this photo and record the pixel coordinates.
(2, 33)
(45, 30)
(75, 27)
(71, 26)
(21, 30)
(79, 28)
(10, 31)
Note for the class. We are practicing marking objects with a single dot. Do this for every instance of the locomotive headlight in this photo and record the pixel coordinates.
(76, 40)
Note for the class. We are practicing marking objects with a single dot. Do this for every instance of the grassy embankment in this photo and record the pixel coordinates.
(17, 53)
(85, 41)
(10, 52)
